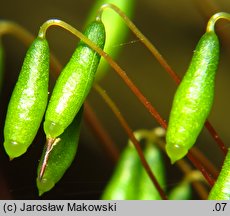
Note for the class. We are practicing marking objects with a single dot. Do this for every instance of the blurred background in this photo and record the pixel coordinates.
(174, 27)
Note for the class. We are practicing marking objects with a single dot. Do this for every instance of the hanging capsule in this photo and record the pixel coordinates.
(193, 99)
(28, 100)
(74, 83)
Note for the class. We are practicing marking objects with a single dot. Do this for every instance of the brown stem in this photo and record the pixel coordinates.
(199, 166)
(161, 60)
(124, 77)
(112, 63)
(128, 130)
(120, 72)
(99, 131)
(206, 163)
(198, 186)
(128, 82)
(216, 137)
(186, 169)
(11, 28)
(142, 38)
(8, 27)
(49, 146)
(146, 103)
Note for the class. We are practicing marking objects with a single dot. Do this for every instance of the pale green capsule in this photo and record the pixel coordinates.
(60, 157)
(74, 83)
(221, 188)
(147, 191)
(130, 180)
(123, 184)
(28, 100)
(193, 99)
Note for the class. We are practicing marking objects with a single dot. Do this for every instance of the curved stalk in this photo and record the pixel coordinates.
(162, 60)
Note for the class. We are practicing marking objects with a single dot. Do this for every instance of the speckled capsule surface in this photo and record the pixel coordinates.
(221, 188)
(74, 83)
(193, 99)
(28, 100)
(60, 157)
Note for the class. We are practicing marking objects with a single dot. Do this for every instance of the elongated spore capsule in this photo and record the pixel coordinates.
(124, 181)
(74, 83)
(147, 191)
(193, 99)
(61, 156)
(28, 100)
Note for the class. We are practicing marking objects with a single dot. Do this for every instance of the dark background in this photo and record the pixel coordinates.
(174, 27)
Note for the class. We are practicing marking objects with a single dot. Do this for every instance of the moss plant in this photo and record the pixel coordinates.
(103, 137)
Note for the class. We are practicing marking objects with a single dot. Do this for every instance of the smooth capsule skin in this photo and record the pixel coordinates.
(147, 191)
(74, 83)
(28, 100)
(221, 188)
(193, 99)
(60, 157)
(123, 184)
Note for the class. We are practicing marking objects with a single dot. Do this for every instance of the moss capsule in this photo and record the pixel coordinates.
(60, 157)
(147, 191)
(123, 184)
(28, 100)
(193, 99)
(130, 180)
(74, 83)
(221, 188)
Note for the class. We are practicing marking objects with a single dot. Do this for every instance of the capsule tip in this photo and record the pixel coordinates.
(172, 161)
(175, 152)
(14, 149)
(52, 129)
(44, 185)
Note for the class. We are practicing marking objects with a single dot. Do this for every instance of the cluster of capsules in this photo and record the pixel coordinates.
(63, 112)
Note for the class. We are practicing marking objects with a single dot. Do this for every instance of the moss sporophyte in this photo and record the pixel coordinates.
(145, 178)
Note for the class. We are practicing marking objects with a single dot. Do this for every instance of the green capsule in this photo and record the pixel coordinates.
(183, 191)
(193, 99)
(221, 188)
(147, 191)
(74, 83)
(28, 100)
(1, 64)
(116, 30)
(60, 157)
(130, 180)
(124, 183)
